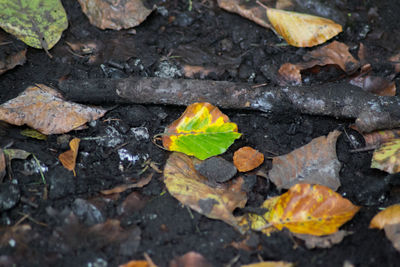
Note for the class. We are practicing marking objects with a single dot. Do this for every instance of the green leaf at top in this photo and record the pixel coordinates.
(202, 131)
(38, 23)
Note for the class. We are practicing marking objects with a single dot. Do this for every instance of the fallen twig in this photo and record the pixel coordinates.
(340, 100)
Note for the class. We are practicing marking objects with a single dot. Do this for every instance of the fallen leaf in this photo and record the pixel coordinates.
(124, 187)
(374, 84)
(190, 259)
(387, 157)
(38, 23)
(302, 30)
(335, 53)
(250, 243)
(191, 189)
(13, 153)
(202, 131)
(328, 241)
(392, 232)
(134, 263)
(33, 134)
(305, 209)
(68, 158)
(270, 264)
(11, 61)
(379, 137)
(115, 15)
(390, 215)
(3, 165)
(44, 109)
(247, 159)
(314, 163)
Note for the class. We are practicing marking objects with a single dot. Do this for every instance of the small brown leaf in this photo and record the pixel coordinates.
(11, 61)
(190, 259)
(270, 264)
(124, 187)
(44, 109)
(247, 159)
(3, 165)
(390, 215)
(314, 163)
(115, 15)
(192, 189)
(374, 84)
(68, 158)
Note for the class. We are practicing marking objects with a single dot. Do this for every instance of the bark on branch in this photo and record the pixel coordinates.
(340, 100)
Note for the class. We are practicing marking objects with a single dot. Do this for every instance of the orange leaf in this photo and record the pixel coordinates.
(68, 158)
(44, 109)
(134, 263)
(302, 30)
(247, 159)
(390, 215)
(314, 163)
(311, 209)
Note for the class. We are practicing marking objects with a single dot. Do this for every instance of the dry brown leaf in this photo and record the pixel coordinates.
(378, 137)
(191, 189)
(190, 259)
(390, 215)
(247, 159)
(3, 165)
(335, 53)
(314, 163)
(115, 15)
(374, 84)
(68, 158)
(270, 264)
(45, 110)
(11, 61)
(122, 188)
(312, 241)
(247, 9)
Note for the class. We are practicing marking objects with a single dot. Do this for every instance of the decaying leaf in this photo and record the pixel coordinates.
(270, 264)
(390, 215)
(68, 158)
(379, 137)
(38, 23)
(202, 131)
(387, 157)
(305, 209)
(335, 53)
(11, 61)
(115, 15)
(14, 153)
(191, 189)
(33, 134)
(247, 159)
(392, 232)
(190, 259)
(44, 109)
(3, 165)
(314, 163)
(302, 30)
(328, 241)
(375, 84)
(124, 187)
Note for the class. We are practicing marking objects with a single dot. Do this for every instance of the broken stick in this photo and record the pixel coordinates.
(340, 100)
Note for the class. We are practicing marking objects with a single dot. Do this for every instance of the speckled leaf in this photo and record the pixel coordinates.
(387, 157)
(193, 190)
(302, 30)
(305, 209)
(38, 23)
(202, 131)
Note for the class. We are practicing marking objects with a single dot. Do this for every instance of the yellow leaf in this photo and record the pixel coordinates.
(387, 157)
(302, 30)
(305, 209)
(192, 189)
(390, 215)
(68, 158)
(270, 264)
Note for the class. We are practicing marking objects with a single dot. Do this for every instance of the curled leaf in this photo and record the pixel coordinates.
(202, 131)
(68, 158)
(192, 189)
(247, 159)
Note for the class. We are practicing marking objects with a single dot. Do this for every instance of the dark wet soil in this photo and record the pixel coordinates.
(151, 221)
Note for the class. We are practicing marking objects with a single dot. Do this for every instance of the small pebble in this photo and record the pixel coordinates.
(216, 169)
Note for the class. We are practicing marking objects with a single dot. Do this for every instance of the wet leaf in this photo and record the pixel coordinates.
(44, 109)
(387, 157)
(314, 163)
(305, 209)
(328, 241)
(33, 134)
(68, 158)
(390, 215)
(270, 264)
(202, 131)
(115, 15)
(191, 189)
(247, 159)
(38, 23)
(124, 187)
(302, 30)
(190, 259)
(11, 61)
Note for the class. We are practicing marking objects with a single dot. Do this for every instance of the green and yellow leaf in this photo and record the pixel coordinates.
(38, 23)
(202, 131)
(305, 209)
(387, 157)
